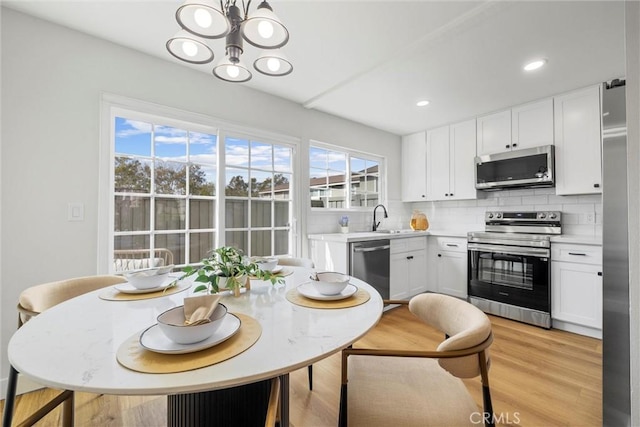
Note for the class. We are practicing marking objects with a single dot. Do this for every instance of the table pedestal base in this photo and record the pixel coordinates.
(237, 406)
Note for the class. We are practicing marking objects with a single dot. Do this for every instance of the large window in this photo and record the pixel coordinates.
(340, 179)
(181, 190)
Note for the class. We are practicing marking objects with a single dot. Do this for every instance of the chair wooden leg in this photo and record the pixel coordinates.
(342, 412)
(310, 375)
(486, 391)
(9, 402)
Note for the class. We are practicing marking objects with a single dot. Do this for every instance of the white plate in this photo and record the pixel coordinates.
(128, 288)
(277, 269)
(153, 339)
(308, 290)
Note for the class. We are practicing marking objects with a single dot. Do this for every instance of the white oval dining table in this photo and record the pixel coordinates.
(73, 345)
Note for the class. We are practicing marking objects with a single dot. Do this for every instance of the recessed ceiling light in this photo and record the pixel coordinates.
(534, 65)
(422, 103)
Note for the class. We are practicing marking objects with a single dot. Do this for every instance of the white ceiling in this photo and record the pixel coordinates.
(370, 61)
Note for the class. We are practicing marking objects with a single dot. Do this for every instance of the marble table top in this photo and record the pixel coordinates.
(73, 345)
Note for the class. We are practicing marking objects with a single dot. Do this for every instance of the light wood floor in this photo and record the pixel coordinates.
(538, 378)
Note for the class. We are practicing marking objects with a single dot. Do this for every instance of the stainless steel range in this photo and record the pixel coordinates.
(510, 265)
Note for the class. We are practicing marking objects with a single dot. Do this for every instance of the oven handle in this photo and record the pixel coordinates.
(510, 250)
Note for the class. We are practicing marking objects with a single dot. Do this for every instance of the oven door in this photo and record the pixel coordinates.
(515, 275)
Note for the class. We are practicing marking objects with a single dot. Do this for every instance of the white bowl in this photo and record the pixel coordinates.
(171, 323)
(330, 283)
(148, 278)
(266, 263)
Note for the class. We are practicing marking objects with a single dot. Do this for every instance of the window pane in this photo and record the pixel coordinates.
(203, 148)
(260, 214)
(236, 152)
(202, 180)
(170, 214)
(281, 210)
(281, 246)
(175, 243)
(337, 161)
(261, 243)
(282, 186)
(201, 214)
(358, 165)
(236, 213)
(132, 213)
(357, 197)
(261, 185)
(261, 156)
(132, 137)
(200, 245)
(317, 158)
(237, 239)
(237, 182)
(282, 159)
(171, 177)
(131, 242)
(170, 143)
(132, 175)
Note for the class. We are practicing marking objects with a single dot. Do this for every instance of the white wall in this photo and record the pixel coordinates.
(52, 80)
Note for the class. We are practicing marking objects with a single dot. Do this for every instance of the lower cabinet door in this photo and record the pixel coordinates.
(418, 280)
(452, 273)
(399, 276)
(576, 293)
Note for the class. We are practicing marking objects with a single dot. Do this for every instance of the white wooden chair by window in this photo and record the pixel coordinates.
(135, 259)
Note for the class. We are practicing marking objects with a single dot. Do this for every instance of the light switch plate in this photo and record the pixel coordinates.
(75, 211)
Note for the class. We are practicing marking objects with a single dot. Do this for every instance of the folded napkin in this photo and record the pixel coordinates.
(198, 309)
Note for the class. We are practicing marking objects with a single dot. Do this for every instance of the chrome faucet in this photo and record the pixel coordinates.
(376, 224)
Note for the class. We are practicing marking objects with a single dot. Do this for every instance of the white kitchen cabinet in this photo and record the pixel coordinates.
(414, 175)
(576, 288)
(532, 124)
(448, 265)
(450, 160)
(493, 133)
(578, 142)
(408, 267)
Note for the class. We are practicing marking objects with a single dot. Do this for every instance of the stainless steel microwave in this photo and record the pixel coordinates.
(531, 167)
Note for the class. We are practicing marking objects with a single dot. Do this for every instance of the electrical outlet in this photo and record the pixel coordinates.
(591, 218)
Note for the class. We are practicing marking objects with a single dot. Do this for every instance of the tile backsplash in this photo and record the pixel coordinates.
(581, 215)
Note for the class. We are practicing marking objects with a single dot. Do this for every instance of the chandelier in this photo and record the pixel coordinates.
(201, 20)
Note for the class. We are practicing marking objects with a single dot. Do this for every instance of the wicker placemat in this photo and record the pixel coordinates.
(360, 297)
(112, 294)
(133, 356)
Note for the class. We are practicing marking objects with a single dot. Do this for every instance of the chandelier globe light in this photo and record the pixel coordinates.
(202, 20)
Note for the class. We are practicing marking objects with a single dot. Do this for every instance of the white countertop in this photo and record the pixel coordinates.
(360, 236)
(80, 338)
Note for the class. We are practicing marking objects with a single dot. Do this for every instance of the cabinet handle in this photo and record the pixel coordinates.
(506, 146)
(453, 245)
(451, 194)
(600, 273)
(577, 254)
(514, 145)
(410, 257)
(596, 185)
(439, 254)
(446, 194)
(423, 196)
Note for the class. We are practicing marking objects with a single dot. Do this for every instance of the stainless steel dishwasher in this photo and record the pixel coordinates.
(369, 261)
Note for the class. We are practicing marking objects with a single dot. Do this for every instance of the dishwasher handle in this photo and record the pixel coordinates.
(375, 248)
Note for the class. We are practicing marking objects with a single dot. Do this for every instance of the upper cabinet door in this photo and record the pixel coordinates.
(438, 164)
(462, 151)
(414, 174)
(532, 124)
(578, 142)
(494, 133)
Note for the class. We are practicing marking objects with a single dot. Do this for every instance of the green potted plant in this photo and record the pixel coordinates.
(228, 268)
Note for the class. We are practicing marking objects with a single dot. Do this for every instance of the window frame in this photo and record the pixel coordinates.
(112, 106)
(349, 153)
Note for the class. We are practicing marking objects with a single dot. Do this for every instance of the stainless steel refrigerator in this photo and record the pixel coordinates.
(616, 402)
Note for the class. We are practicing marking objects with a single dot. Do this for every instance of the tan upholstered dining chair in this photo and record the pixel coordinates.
(422, 387)
(33, 301)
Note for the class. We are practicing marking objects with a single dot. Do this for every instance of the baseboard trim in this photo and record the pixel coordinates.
(25, 385)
